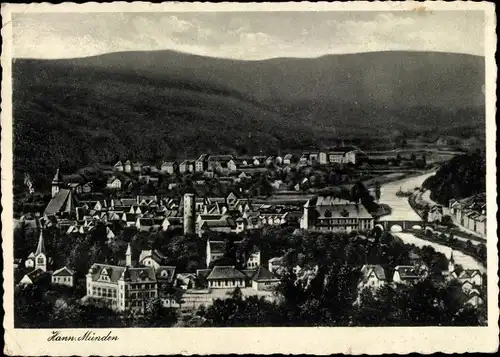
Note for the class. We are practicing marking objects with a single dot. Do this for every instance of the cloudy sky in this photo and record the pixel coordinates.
(250, 35)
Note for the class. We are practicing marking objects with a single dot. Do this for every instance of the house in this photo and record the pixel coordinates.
(129, 219)
(472, 276)
(37, 276)
(171, 223)
(114, 183)
(404, 274)
(127, 167)
(225, 277)
(165, 276)
(137, 167)
(214, 251)
(169, 167)
(151, 258)
(201, 163)
(227, 225)
(263, 279)
(146, 224)
(64, 276)
(470, 213)
(275, 264)
(221, 163)
(253, 260)
(122, 287)
(288, 159)
(186, 166)
(340, 155)
(372, 276)
(474, 299)
(469, 287)
(88, 187)
(118, 166)
(327, 213)
(435, 214)
(186, 280)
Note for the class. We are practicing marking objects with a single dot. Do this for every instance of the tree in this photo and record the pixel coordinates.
(378, 190)
(446, 220)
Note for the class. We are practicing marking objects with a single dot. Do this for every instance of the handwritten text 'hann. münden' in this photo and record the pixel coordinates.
(89, 336)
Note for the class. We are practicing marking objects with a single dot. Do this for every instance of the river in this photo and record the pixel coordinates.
(401, 210)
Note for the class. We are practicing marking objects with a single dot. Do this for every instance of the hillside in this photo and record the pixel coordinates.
(154, 105)
(461, 177)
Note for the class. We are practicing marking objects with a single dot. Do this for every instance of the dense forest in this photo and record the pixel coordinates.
(462, 176)
(150, 106)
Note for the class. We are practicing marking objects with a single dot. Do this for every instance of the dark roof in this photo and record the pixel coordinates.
(263, 274)
(165, 273)
(406, 272)
(204, 273)
(225, 272)
(351, 210)
(61, 202)
(36, 275)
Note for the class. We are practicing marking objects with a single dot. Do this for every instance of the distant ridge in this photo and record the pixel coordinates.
(151, 105)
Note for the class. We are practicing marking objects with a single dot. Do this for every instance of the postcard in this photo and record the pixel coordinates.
(261, 178)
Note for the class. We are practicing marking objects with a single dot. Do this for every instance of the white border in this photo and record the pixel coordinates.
(152, 341)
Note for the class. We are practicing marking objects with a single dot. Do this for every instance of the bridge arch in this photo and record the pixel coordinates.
(396, 228)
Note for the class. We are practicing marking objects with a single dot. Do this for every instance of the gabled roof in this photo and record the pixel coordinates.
(225, 272)
(406, 272)
(61, 202)
(64, 271)
(469, 273)
(263, 274)
(379, 272)
(165, 273)
(36, 275)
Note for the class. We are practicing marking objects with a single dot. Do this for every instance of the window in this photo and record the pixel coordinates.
(40, 260)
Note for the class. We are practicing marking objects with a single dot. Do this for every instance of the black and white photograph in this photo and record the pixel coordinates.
(207, 169)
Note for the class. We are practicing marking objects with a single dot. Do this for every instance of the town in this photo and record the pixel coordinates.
(187, 235)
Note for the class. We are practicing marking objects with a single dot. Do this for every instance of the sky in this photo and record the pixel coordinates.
(246, 35)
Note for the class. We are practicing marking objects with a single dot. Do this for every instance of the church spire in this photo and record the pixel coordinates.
(56, 183)
(57, 177)
(40, 249)
(128, 256)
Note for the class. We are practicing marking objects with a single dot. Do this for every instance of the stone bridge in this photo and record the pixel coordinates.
(404, 224)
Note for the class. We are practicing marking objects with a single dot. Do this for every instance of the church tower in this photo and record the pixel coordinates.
(451, 263)
(56, 183)
(40, 254)
(189, 213)
(128, 256)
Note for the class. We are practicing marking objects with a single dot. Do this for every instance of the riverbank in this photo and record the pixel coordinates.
(467, 248)
(403, 210)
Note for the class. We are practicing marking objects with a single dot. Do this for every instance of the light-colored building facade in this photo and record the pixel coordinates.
(64, 276)
(326, 213)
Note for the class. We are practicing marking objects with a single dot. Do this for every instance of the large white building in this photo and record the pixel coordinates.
(327, 213)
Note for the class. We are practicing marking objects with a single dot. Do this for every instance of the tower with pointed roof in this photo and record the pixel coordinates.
(40, 254)
(56, 183)
(128, 256)
(451, 263)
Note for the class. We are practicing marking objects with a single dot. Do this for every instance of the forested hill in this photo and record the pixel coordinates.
(461, 177)
(155, 105)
